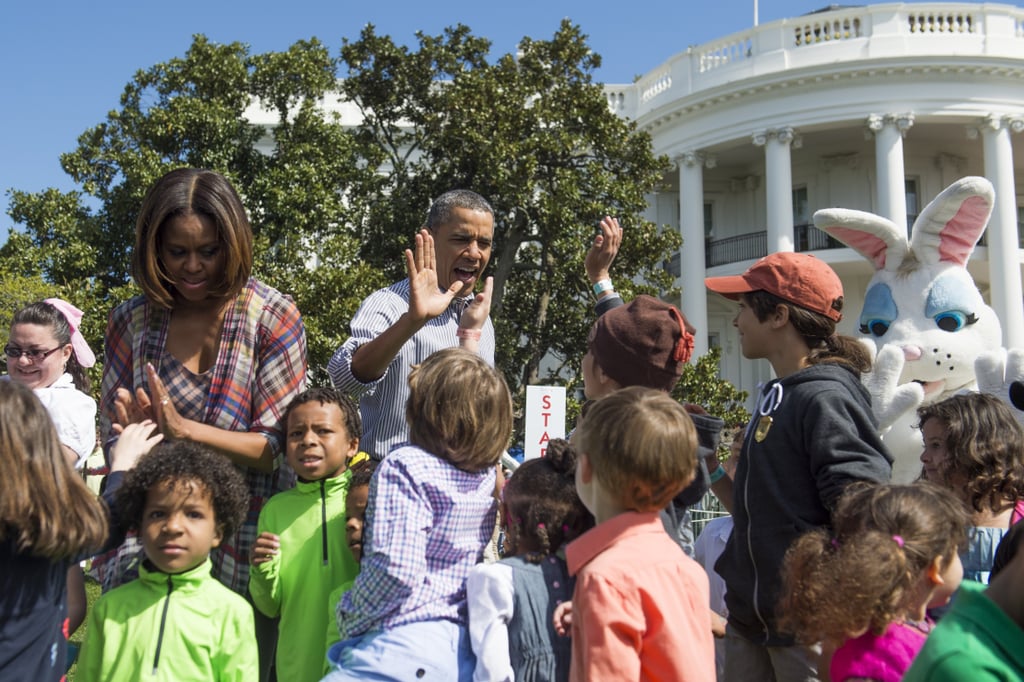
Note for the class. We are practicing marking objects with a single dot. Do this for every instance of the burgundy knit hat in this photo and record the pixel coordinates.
(643, 343)
(799, 278)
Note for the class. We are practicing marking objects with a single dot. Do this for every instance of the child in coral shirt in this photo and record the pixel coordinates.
(640, 607)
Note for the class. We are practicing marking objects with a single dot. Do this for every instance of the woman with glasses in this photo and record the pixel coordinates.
(46, 352)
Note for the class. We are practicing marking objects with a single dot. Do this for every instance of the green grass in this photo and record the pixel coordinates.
(92, 593)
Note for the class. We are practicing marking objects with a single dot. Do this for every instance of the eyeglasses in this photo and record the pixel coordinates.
(13, 353)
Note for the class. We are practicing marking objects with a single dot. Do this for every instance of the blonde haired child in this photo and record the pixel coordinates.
(431, 511)
(866, 588)
(640, 607)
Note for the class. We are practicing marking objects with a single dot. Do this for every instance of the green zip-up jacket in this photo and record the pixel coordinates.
(173, 627)
(313, 561)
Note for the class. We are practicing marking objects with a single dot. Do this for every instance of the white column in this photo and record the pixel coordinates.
(1003, 244)
(778, 187)
(889, 131)
(694, 298)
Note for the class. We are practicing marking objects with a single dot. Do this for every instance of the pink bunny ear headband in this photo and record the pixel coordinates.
(84, 354)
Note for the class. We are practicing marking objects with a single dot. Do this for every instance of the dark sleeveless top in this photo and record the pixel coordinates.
(536, 652)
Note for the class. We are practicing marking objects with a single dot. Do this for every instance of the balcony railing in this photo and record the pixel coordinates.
(810, 238)
(734, 249)
(754, 245)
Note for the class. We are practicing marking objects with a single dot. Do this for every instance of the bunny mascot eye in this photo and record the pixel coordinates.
(950, 302)
(879, 311)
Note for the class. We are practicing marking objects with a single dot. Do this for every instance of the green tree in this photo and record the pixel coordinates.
(333, 207)
(702, 384)
(194, 111)
(534, 134)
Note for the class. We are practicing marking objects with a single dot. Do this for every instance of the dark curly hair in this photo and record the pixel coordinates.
(864, 574)
(542, 509)
(985, 446)
(180, 462)
(329, 396)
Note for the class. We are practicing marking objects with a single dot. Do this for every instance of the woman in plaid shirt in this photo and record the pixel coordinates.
(209, 353)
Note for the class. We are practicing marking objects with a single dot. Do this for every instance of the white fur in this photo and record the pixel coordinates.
(924, 312)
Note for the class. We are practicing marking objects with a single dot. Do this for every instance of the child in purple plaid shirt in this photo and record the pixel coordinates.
(431, 511)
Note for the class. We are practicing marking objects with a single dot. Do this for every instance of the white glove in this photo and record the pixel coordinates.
(889, 398)
(997, 370)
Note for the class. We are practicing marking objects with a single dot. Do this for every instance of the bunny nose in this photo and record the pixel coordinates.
(912, 352)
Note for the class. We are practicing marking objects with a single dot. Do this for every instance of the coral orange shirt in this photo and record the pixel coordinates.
(640, 608)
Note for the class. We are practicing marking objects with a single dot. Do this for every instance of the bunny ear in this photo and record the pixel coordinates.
(878, 239)
(950, 226)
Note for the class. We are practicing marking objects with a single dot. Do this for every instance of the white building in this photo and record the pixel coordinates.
(876, 108)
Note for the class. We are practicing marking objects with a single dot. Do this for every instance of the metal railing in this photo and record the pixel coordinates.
(734, 249)
(754, 245)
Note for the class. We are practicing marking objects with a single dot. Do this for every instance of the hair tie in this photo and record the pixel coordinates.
(835, 543)
(684, 346)
(898, 540)
(540, 525)
(565, 528)
(84, 354)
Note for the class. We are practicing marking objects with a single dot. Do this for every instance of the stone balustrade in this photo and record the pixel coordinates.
(822, 39)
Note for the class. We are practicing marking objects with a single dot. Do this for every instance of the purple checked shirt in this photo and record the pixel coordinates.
(426, 525)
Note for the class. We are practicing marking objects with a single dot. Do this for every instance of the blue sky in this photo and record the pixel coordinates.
(64, 64)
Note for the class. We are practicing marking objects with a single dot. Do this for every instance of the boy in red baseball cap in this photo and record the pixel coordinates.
(812, 434)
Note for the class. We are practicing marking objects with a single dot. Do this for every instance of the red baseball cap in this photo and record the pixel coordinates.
(798, 278)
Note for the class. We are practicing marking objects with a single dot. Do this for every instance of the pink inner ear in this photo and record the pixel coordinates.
(961, 233)
(872, 247)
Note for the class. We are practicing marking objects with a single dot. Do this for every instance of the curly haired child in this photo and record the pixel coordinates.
(974, 447)
(431, 511)
(867, 587)
(512, 601)
(640, 605)
(176, 622)
(982, 636)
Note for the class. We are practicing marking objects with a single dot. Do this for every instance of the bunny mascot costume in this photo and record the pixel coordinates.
(933, 333)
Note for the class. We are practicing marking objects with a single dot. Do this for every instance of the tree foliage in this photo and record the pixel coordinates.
(333, 205)
(703, 385)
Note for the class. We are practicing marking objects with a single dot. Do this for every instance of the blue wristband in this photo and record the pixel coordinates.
(717, 475)
(602, 286)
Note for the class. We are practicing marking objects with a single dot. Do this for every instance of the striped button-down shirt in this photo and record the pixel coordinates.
(426, 527)
(382, 401)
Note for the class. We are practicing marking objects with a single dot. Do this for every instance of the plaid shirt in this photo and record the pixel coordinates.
(260, 367)
(382, 401)
(426, 525)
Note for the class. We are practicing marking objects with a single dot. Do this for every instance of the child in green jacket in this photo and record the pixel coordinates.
(301, 555)
(176, 621)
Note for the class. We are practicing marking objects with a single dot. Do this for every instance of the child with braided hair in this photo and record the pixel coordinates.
(866, 589)
(512, 601)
